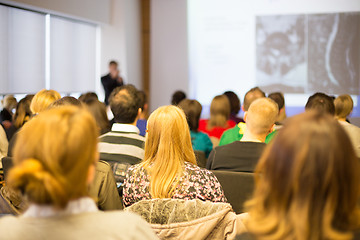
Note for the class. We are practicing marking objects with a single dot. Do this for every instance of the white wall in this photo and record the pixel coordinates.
(169, 50)
(120, 31)
(95, 10)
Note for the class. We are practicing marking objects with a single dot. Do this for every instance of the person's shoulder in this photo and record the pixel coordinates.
(8, 222)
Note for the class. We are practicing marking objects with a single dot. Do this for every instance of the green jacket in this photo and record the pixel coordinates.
(236, 133)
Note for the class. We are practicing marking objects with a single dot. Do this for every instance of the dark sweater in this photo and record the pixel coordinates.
(237, 156)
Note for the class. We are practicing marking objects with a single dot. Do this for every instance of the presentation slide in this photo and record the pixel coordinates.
(297, 48)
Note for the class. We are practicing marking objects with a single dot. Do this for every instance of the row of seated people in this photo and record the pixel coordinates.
(171, 165)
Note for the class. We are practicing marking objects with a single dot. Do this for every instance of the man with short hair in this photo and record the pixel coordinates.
(321, 102)
(243, 155)
(236, 133)
(123, 146)
(111, 80)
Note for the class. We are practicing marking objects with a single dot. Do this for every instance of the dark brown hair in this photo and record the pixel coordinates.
(278, 97)
(234, 102)
(125, 103)
(321, 103)
(192, 109)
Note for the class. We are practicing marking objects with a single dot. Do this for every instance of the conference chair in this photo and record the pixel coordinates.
(237, 186)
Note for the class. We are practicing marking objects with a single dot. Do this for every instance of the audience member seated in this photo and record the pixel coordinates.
(236, 133)
(234, 106)
(123, 146)
(219, 119)
(199, 140)
(278, 97)
(177, 97)
(343, 108)
(103, 189)
(322, 103)
(88, 97)
(21, 116)
(39, 103)
(169, 167)
(9, 104)
(243, 155)
(98, 110)
(142, 121)
(42, 100)
(55, 157)
(307, 183)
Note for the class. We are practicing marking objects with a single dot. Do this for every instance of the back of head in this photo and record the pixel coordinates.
(89, 96)
(177, 97)
(343, 106)
(251, 96)
(321, 102)
(43, 99)
(219, 111)
(278, 97)
(308, 188)
(9, 102)
(234, 101)
(167, 147)
(52, 155)
(125, 104)
(23, 112)
(192, 110)
(142, 99)
(261, 116)
(98, 110)
(65, 101)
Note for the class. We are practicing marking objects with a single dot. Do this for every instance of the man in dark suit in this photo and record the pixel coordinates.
(111, 80)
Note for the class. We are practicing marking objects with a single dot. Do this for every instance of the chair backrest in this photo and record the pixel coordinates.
(238, 187)
(200, 158)
(7, 163)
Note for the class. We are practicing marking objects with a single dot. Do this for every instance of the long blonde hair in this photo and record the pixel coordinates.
(307, 183)
(167, 148)
(219, 112)
(43, 99)
(52, 155)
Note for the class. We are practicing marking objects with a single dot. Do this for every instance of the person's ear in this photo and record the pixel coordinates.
(139, 111)
(146, 106)
(242, 108)
(245, 116)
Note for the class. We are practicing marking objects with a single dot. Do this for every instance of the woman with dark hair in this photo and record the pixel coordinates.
(307, 183)
(235, 106)
(98, 110)
(200, 141)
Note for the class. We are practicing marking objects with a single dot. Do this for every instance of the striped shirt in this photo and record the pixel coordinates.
(122, 144)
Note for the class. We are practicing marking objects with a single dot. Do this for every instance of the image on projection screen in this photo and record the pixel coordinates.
(307, 53)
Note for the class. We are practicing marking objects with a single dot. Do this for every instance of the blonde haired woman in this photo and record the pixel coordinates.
(43, 99)
(219, 118)
(55, 156)
(169, 167)
(307, 185)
